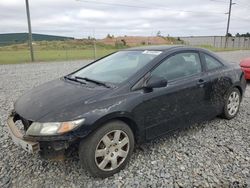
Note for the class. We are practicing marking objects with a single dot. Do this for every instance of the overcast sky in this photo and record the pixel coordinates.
(82, 18)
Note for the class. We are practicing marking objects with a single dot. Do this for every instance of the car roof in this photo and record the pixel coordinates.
(166, 48)
(157, 48)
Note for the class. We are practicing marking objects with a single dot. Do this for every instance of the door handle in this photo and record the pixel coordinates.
(201, 83)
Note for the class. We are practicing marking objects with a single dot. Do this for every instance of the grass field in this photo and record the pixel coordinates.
(61, 51)
(54, 51)
(21, 56)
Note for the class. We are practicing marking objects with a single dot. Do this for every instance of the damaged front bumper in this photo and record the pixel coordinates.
(17, 137)
(49, 147)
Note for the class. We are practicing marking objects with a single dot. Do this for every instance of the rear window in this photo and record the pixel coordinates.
(211, 63)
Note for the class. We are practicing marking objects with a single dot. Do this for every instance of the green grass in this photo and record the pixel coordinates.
(54, 51)
(21, 56)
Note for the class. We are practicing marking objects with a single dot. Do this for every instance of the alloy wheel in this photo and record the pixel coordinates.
(112, 150)
(233, 103)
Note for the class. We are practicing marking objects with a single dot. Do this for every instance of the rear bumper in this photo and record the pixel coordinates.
(17, 137)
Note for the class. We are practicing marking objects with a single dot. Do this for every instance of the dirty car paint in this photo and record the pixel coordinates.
(153, 113)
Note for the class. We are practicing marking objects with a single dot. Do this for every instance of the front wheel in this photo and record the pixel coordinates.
(107, 150)
(232, 104)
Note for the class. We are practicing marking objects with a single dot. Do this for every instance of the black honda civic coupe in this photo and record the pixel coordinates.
(130, 96)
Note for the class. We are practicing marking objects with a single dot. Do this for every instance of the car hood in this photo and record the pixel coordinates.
(245, 62)
(54, 96)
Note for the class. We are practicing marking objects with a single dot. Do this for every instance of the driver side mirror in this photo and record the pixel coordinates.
(155, 82)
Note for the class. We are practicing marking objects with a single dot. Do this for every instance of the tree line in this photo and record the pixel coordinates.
(239, 35)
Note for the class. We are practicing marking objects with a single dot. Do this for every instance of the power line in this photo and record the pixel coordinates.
(245, 4)
(240, 4)
(161, 7)
(147, 7)
(218, 1)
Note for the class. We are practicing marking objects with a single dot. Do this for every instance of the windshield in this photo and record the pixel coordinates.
(117, 67)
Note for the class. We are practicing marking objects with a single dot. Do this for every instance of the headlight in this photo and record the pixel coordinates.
(52, 128)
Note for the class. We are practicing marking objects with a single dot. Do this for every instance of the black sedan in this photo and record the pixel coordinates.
(127, 97)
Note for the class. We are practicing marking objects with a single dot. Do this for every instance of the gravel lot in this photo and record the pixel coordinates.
(211, 154)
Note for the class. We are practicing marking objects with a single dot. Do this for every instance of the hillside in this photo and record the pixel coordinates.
(18, 38)
(139, 40)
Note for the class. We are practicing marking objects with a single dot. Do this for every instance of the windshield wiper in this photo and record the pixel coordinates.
(92, 80)
(73, 79)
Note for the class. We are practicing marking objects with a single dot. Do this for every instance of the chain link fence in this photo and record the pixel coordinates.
(67, 50)
(16, 52)
(218, 41)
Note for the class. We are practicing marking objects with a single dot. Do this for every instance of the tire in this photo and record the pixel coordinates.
(233, 97)
(107, 150)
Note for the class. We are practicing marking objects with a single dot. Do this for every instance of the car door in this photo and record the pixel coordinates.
(220, 82)
(182, 101)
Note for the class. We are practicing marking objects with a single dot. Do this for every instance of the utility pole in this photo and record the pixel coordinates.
(228, 21)
(30, 32)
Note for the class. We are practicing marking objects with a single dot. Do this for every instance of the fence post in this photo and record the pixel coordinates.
(94, 43)
(239, 42)
(221, 42)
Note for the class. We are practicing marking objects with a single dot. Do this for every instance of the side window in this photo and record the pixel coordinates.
(211, 63)
(179, 65)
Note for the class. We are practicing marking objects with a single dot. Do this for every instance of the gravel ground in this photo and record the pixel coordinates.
(211, 154)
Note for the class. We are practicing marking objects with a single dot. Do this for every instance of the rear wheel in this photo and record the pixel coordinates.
(107, 150)
(232, 103)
